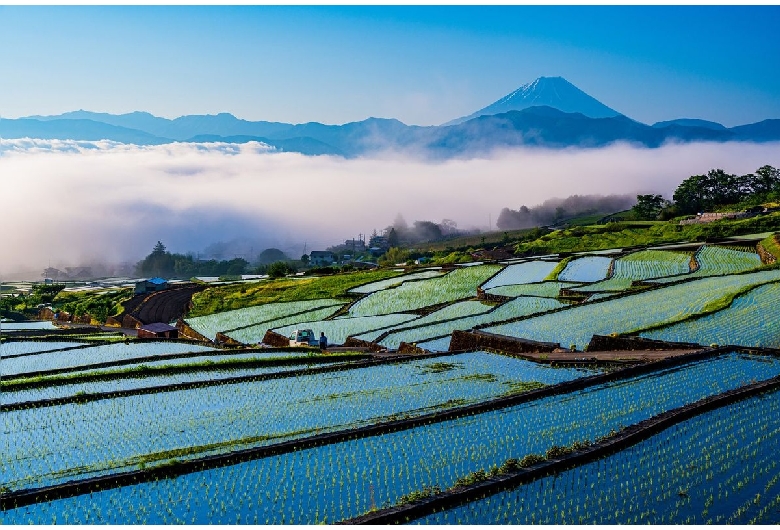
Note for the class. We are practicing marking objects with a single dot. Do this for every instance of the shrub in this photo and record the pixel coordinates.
(530, 460)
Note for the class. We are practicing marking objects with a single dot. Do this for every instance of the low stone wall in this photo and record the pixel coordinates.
(608, 343)
(277, 340)
(478, 340)
(187, 332)
(48, 314)
(767, 257)
(130, 322)
(224, 340)
(113, 322)
(352, 342)
(693, 264)
(487, 297)
(571, 294)
(410, 349)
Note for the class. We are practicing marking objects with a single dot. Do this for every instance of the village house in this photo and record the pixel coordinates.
(322, 258)
(151, 285)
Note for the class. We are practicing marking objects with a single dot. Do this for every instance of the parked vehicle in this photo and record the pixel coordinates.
(303, 337)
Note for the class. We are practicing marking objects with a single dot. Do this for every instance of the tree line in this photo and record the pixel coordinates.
(718, 188)
(161, 262)
(712, 191)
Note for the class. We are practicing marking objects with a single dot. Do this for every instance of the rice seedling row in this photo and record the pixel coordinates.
(338, 329)
(156, 375)
(103, 354)
(392, 282)
(521, 273)
(544, 289)
(512, 309)
(210, 325)
(751, 320)
(643, 265)
(458, 284)
(717, 261)
(11, 349)
(586, 269)
(450, 312)
(342, 480)
(716, 468)
(315, 365)
(577, 324)
(254, 334)
(117, 434)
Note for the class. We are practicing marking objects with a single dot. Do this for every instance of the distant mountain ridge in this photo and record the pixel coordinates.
(569, 118)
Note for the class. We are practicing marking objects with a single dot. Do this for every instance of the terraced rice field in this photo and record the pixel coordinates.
(634, 313)
(718, 261)
(513, 309)
(210, 325)
(751, 320)
(179, 433)
(717, 468)
(644, 265)
(119, 434)
(586, 269)
(352, 476)
(458, 284)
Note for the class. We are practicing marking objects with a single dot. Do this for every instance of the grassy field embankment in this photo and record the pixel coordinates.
(237, 296)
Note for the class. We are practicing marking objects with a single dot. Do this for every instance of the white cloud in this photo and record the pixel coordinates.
(65, 202)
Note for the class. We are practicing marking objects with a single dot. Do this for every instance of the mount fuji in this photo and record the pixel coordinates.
(553, 92)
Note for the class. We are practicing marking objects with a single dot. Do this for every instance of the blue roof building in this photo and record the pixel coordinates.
(151, 285)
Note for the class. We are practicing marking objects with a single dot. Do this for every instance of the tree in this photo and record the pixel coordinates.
(278, 269)
(766, 180)
(159, 249)
(393, 256)
(704, 192)
(305, 259)
(689, 195)
(158, 263)
(392, 237)
(648, 206)
(271, 255)
(427, 231)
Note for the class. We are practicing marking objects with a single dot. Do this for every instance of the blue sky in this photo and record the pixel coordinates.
(422, 65)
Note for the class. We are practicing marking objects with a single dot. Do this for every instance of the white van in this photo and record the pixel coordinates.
(303, 337)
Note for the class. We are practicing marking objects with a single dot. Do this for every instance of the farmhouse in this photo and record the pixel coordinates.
(321, 258)
(158, 330)
(151, 285)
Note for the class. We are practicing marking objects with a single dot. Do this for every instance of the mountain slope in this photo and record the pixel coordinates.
(553, 92)
(690, 122)
(549, 127)
(69, 129)
(303, 145)
(181, 128)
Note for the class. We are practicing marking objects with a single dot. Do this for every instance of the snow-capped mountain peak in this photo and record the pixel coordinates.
(555, 92)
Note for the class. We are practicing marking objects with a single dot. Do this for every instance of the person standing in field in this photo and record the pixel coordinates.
(323, 341)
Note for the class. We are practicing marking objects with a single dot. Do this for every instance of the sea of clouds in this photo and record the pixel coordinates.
(71, 202)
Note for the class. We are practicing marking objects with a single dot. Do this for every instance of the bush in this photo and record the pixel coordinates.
(531, 460)
(278, 269)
